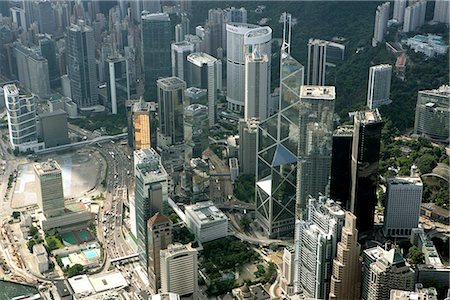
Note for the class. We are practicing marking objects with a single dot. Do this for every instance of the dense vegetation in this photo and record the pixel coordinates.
(244, 188)
(113, 124)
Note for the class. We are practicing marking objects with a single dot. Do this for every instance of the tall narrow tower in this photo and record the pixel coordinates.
(346, 278)
(317, 59)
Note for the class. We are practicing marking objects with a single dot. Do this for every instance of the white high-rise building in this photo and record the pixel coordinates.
(180, 52)
(379, 89)
(399, 10)
(51, 192)
(179, 270)
(402, 208)
(414, 16)
(243, 38)
(257, 89)
(317, 60)
(381, 22)
(206, 73)
(442, 12)
(315, 245)
(21, 113)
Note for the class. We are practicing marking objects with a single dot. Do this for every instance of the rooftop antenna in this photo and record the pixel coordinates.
(287, 28)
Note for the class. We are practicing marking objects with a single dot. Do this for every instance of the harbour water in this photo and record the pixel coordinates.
(10, 290)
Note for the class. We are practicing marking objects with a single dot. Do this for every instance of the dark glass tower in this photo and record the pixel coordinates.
(48, 51)
(341, 164)
(364, 167)
(156, 49)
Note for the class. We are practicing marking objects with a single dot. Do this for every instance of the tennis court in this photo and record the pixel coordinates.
(76, 237)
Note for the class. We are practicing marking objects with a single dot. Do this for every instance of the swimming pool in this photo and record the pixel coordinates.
(90, 254)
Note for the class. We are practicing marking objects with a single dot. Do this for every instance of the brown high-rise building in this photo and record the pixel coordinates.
(345, 281)
(159, 236)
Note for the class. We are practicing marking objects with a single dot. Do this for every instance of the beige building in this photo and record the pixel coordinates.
(346, 278)
(141, 121)
(420, 293)
(159, 236)
(51, 194)
(287, 276)
(179, 270)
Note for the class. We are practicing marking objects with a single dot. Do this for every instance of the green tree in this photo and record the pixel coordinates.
(75, 270)
(16, 214)
(426, 163)
(30, 245)
(415, 256)
(245, 222)
(33, 231)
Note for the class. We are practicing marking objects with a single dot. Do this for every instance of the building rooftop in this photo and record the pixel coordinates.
(11, 89)
(201, 58)
(442, 91)
(166, 296)
(233, 162)
(170, 82)
(49, 166)
(381, 67)
(39, 249)
(368, 117)
(205, 212)
(195, 91)
(196, 108)
(405, 181)
(318, 92)
(317, 42)
(158, 218)
(107, 281)
(145, 15)
(177, 247)
(345, 130)
(80, 26)
(182, 45)
(148, 162)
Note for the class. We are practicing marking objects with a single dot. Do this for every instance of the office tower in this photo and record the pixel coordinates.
(206, 73)
(179, 270)
(379, 89)
(277, 145)
(346, 278)
(151, 189)
(159, 232)
(45, 17)
(156, 39)
(257, 85)
(21, 113)
(118, 82)
(19, 18)
(432, 113)
(80, 51)
(315, 143)
(143, 118)
(182, 29)
(381, 22)
(48, 50)
(170, 110)
(315, 244)
(364, 167)
(51, 194)
(335, 53)
(153, 6)
(414, 15)
(32, 70)
(214, 39)
(317, 60)
(287, 275)
(384, 271)
(244, 38)
(6, 39)
(54, 130)
(399, 10)
(441, 12)
(235, 15)
(402, 206)
(341, 157)
(180, 52)
(196, 96)
(196, 131)
(248, 129)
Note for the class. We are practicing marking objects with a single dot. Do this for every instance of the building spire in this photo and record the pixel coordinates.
(287, 28)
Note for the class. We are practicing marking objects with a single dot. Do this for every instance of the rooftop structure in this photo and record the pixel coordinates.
(206, 221)
(430, 44)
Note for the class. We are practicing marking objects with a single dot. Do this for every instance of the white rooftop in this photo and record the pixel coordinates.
(108, 281)
(205, 212)
(81, 285)
(318, 92)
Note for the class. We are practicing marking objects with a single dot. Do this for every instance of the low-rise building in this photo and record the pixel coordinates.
(420, 293)
(40, 255)
(206, 221)
(435, 213)
(430, 44)
(234, 168)
(420, 239)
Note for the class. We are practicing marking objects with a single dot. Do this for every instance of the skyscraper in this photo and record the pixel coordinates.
(170, 110)
(402, 207)
(315, 243)
(244, 38)
(379, 89)
(196, 131)
(214, 34)
(51, 194)
(441, 12)
(81, 67)
(287, 275)
(415, 15)
(384, 271)
(364, 168)
(205, 72)
(118, 83)
(381, 21)
(341, 157)
(179, 270)
(156, 39)
(21, 113)
(32, 69)
(48, 51)
(317, 60)
(277, 146)
(247, 154)
(399, 10)
(159, 233)
(257, 85)
(144, 125)
(151, 189)
(433, 113)
(315, 141)
(346, 278)
(45, 17)
(180, 52)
